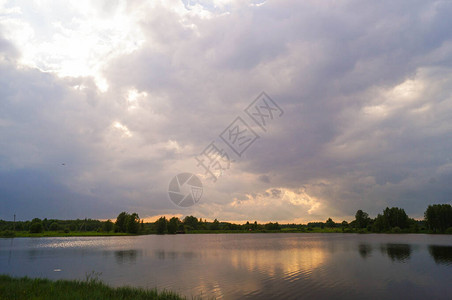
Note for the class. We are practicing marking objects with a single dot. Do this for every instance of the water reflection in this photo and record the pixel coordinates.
(33, 254)
(365, 250)
(172, 255)
(397, 252)
(289, 263)
(441, 254)
(267, 266)
(127, 256)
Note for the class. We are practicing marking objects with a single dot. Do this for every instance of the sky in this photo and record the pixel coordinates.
(102, 103)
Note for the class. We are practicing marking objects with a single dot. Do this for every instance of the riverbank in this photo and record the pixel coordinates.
(9, 234)
(28, 288)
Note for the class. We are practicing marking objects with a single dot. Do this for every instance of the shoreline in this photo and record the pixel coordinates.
(19, 234)
(22, 234)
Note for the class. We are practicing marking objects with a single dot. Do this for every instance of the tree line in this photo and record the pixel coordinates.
(437, 219)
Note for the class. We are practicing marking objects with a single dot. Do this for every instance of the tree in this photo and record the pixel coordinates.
(330, 223)
(54, 226)
(344, 225)
(45, 224)
(362, 219)
(380, 224)
(272, 226)
(132, 223)
(173, 225)
(161, 225)
(191, 222)
(438, 217)
(202, 224)
(121, 222)
(396, 217)
(215, 225)
(255, 225)
(36, 226)
(391, 218)
(126, 222)
(107, 226)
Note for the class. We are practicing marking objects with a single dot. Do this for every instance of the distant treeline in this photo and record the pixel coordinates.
(437, 219)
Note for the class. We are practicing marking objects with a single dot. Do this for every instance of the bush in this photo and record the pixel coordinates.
(449, 230)
(54, 226)
(396, 229)
(7, 234)
(36, 227)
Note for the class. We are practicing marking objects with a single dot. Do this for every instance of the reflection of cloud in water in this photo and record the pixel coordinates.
(397, 252)
(287, 265)
(288, 262)
(441, 254)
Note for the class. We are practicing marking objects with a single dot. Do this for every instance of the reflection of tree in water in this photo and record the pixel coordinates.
(441, 254)
(126, 256)
(399, 252)
(365, 250)
(162, 254)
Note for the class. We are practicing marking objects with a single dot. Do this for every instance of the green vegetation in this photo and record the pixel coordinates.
(392, 220)
(438, 219)
(128, 223)
(27, 288)
(161, 226)
(9, 233)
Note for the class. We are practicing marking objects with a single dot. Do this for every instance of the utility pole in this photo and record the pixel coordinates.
(14, 223)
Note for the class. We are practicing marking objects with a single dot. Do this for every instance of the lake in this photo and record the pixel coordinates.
(254, 266)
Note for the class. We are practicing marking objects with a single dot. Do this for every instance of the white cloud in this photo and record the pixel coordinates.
(80, 45)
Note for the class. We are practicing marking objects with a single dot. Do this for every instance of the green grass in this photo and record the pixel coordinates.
(61, 233)
(28, 288)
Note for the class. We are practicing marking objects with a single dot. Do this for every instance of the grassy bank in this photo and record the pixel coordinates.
(60, 233)
(27, 288)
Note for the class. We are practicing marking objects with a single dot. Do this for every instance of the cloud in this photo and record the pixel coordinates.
(365, 89)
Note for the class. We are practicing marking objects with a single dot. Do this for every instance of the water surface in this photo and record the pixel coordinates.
(260, 266)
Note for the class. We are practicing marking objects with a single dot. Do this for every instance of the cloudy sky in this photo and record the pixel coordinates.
(102, 103)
